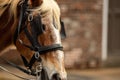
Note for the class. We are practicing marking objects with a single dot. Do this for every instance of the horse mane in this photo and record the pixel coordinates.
(11, 5)
(46, 6)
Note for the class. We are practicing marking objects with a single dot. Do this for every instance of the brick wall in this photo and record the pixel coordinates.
(83, 23)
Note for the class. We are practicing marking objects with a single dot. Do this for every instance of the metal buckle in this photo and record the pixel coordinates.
(38, 71)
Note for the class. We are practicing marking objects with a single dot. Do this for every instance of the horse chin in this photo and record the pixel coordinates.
(44, 76)
(55, 77)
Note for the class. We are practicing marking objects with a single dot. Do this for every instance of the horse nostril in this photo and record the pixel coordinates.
(56, 77)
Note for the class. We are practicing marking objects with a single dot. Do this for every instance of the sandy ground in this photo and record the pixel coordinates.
(93, 74)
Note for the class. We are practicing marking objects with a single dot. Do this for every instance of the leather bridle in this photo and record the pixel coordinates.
(36, 30)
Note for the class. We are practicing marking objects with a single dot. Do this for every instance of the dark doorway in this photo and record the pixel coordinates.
(114, 27)
(114, 32)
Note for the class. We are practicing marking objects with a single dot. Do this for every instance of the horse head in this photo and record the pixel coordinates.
(38, 39)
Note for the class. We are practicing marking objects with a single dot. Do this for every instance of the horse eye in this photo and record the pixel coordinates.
(43, 27)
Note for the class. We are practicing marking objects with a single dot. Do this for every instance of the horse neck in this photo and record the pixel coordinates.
(5, 30)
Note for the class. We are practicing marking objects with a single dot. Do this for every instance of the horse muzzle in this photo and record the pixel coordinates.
(44, 76)
(57, 77)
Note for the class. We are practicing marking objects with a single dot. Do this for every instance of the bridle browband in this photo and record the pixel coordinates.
(36, 30)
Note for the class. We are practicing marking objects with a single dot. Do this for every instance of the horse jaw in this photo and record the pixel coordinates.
(54, 64)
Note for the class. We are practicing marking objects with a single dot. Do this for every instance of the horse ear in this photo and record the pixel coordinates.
(36, 3)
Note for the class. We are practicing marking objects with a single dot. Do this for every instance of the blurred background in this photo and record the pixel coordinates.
(92, 46)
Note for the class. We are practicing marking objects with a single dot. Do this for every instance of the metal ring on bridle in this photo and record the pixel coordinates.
(30, 17)
(37, 55)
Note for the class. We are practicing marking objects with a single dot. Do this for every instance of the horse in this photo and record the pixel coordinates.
(34, 27)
